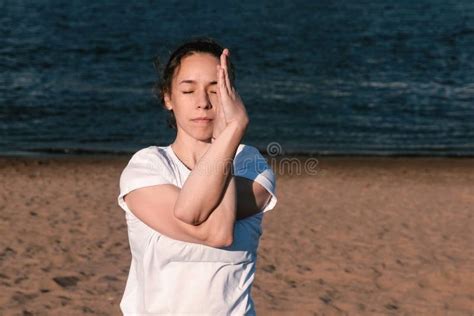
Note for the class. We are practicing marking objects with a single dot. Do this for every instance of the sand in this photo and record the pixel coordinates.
(361, 236)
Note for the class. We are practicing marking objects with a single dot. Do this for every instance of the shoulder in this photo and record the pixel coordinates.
(251, 164)
(150, 162)
(148, 166)
(153, 158)
(245, 148)
(150, 154)
(247, 151)
(249, 157)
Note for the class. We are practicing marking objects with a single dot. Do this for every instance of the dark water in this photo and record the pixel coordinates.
(326, 77)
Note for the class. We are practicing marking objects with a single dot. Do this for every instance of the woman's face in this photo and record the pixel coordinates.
(194, 95)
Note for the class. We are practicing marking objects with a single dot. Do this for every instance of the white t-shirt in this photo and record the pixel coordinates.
(173, 277)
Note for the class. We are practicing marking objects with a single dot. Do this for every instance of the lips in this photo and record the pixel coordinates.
(198, 119)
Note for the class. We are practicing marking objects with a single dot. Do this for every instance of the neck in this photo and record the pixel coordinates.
(188, 149)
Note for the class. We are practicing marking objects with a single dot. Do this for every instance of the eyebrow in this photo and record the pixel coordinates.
(192, 81)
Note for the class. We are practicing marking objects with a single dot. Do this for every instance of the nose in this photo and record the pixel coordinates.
(203, 101)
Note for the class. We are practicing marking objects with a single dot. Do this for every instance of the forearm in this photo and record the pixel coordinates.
(219, 227)
(204, 188)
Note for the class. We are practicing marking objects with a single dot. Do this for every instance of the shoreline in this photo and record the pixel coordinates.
(299, 156)
(68, 152)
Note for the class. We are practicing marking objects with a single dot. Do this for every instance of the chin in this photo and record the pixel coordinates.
(202, 136)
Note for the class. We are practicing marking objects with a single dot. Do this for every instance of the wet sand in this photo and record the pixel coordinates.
(361, 236)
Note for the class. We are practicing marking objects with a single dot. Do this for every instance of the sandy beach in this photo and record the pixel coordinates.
(362, 236)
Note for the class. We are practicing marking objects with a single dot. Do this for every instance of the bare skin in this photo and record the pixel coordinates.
(202, 213)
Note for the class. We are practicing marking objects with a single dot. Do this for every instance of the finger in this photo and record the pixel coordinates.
(227, 78)
(218, 81)
(222, 59)
(220, 91)
(221, 83)
(224, 67)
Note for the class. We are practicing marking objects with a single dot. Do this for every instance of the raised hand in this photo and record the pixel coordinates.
(230, 108)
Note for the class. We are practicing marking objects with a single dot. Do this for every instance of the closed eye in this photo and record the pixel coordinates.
(187, 92)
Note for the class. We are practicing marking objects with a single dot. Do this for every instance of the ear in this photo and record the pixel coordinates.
(168, 103)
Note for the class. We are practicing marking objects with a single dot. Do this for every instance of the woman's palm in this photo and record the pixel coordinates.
(230, 107)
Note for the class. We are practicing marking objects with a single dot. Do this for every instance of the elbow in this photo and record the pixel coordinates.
(186, 217)
(190, 217)
(221, 242)
(227, 242)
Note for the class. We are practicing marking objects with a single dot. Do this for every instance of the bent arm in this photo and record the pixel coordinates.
(154, 205)
(205, 188)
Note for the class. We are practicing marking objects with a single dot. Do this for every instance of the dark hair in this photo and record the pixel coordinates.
(189, 47)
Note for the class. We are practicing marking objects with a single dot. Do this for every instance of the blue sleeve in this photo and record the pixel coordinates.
(250, 164)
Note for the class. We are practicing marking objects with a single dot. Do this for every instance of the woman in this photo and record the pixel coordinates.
(194, 208)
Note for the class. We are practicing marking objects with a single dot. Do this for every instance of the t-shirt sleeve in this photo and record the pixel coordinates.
(250, 164)
(145, 168)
